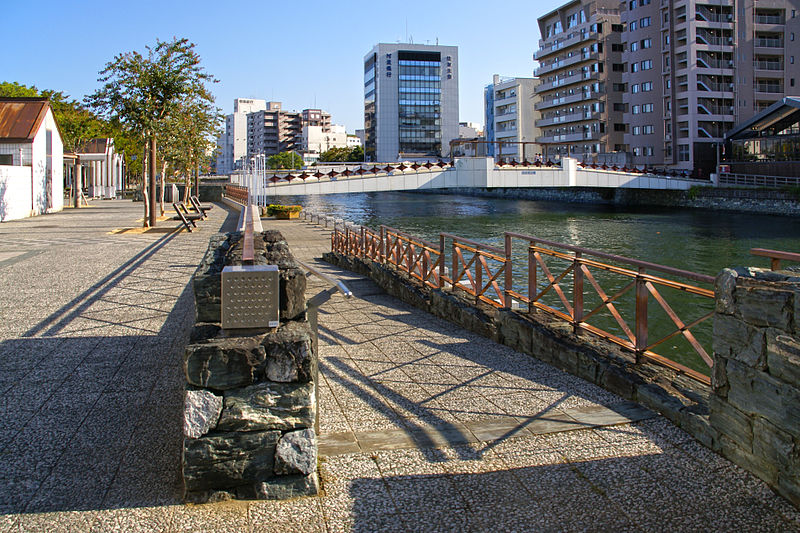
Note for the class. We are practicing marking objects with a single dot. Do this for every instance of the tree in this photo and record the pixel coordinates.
(285, 160)
(343, 154)
(143, 92)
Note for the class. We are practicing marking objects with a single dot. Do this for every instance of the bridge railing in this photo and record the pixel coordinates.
(237, 193)
(634, 304)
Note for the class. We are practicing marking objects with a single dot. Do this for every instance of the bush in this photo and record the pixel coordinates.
(274, 209)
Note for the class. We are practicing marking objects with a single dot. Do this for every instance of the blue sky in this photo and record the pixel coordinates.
(304, 54)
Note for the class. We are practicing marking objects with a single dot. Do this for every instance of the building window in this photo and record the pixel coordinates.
(636, 130)
(683, 152)
(647, 64)
(617, 47)
(634, 46)
(618, 67)
(632, 4)
(647, 108)
(647, 86)
(644, 2)
(632, 26)
(637, 151)
(644, 22)
(620, 127)
(618, 28)
(635, 88)
(635, 109)
(634, 67)
(648, 150)
(648, 130)
(647, 43)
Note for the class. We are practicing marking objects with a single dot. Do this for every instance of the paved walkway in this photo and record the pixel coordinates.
(425, 427)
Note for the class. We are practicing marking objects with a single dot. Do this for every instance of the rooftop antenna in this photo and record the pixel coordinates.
(406, 29)
(437, 41)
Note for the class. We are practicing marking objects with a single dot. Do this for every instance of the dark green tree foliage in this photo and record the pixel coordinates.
(285, 160)
(354, 154)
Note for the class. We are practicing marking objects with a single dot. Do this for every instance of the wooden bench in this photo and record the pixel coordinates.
(200, 208)
(187, 218)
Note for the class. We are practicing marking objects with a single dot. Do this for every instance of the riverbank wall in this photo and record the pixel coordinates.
(764, 201)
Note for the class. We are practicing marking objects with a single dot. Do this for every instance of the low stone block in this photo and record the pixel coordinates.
(724, 287)
(783, 356)
(268, 405)
(735, 339)
(296, 453)
(224, 363)
(226, 460)
(765, 306)
(200, 413)
(618, 382)
(775, 445)
(292, 288)
(289, 353)
(281, 488)
(203, 332)
(758, 393)
(730, 421)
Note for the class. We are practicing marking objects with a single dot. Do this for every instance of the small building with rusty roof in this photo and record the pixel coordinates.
(102, 168)
(31, 159)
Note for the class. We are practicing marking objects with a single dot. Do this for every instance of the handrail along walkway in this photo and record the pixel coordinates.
(486, 273)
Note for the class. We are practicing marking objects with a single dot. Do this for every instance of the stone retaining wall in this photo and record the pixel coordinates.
(250, 406)
(766, 397)
(755, 408)
(769, 202)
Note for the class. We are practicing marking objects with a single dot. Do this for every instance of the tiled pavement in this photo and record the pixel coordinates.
(425, 427)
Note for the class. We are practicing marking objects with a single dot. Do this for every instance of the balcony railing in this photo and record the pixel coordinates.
(769, 19)
(768, 42)
(768, 65)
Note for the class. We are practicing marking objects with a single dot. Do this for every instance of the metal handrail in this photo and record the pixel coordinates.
(314, 303)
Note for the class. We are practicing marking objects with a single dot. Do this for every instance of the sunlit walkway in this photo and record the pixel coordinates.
(425, 427)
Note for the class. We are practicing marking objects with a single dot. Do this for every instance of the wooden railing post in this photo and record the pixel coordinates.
(424, 266)
(577, 293)
(363, 244)
(382, 252)
(478, 276)
(531, 277)
(509, 278)
(455, 268)
(641, 315)
(441, 260)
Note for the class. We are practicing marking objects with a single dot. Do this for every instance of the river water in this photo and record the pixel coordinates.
(702, 241)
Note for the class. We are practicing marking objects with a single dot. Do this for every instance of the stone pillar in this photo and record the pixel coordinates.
(76, 183)
(755, 405)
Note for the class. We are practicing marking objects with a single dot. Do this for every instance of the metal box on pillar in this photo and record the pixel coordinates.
(250, 297)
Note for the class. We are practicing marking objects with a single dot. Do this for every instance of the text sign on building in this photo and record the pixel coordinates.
(250, 297)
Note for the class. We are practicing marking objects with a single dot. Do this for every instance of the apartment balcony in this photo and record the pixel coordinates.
(564, 100)
(768, 43)
(708, 40)
(566, 119)
(566, 62)
(766, 92)
(703, 14)
(563, 82)
(546, 50)
(569, 137)
(770, 73)
(712, 112)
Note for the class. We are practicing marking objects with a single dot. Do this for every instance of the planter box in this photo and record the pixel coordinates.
(286, 215)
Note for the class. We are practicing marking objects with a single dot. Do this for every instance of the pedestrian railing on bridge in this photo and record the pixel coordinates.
(634, 304)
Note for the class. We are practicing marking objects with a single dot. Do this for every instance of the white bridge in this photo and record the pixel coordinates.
(479, 172)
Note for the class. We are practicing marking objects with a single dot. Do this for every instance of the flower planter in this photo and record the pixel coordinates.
(286, 215)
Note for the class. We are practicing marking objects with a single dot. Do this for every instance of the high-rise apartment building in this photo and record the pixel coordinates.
(580, 77)
(233, 142)
(690, 70)
(273, 130)
(714, 64)
(509, 114)
(410, 101)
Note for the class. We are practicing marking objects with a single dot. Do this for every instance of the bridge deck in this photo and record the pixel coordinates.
(425, 426)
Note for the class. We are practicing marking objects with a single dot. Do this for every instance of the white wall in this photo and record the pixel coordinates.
(15, 192)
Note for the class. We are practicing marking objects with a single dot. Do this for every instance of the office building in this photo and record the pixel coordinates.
(317, 117)
(232, 144)
(580, 76)
(410, 101)
(509, 113)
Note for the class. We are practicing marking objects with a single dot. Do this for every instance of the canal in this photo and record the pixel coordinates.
(701, 241)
